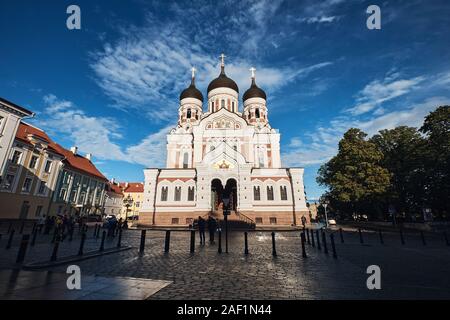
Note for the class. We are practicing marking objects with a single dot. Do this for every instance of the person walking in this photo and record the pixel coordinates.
(212, 226)
(303, 221)
(201, 229)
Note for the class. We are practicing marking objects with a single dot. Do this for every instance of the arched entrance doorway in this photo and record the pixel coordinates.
(223, 195)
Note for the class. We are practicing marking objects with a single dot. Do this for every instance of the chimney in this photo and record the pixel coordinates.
(74, 150)
(89, 156)
(113, 180)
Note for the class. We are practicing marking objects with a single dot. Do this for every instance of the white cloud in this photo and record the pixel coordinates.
(377, 92)
(323, 141)
(99, 135)
(321, 19)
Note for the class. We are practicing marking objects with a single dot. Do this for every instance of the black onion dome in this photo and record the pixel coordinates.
(222, 81)
(254, 92)
(191, 92)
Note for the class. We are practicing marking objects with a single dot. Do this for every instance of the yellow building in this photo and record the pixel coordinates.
(134, 191)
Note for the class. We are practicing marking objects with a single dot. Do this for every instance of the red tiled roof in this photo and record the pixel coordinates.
(132, 186)
(112, 187)
(73, 161)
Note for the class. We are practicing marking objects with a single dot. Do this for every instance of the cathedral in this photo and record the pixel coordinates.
(223, 157)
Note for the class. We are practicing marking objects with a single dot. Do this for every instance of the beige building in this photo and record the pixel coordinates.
(10, 116)
(31, 175)
(114, 200)
(134, 190)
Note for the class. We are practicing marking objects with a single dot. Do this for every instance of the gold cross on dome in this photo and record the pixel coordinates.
(252, 69)
(222, 58)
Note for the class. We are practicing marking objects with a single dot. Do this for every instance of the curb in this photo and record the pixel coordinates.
(74, 258)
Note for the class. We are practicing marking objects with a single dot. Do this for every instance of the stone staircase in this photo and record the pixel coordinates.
(236, 220)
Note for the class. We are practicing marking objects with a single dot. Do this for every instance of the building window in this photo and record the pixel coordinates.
(62, 194)
(188, 113)
(164, 191)
(9, 181)
(232, 106)
(177, 196)
(38, 211)
(258, 220)
(212, 106)
(27, 185)
(191, 194)
(273, 220)
(33, 162)
(283, 192)
(257, 113)
(42, 185)
(189, 221)
(137, 204)
(256, 193)
(185, 160)
(269, 193)
(175, 220)
(16, 157)
(48, 166)
(222, 103)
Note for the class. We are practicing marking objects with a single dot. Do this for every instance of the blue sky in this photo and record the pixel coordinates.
(112, 87)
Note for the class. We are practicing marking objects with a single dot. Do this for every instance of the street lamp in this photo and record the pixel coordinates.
(127, 202)
(325, 204)
(226, 213)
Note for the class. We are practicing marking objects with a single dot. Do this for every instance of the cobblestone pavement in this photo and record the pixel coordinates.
(409, 271)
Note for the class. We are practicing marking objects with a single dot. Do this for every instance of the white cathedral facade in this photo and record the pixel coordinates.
(223, 158)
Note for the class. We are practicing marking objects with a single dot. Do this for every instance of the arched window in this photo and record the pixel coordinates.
(256, 193)
(188, 113)
(257, 113)
(177, 195)
(232, 106)
(164, 192)
(222, 103)
(191, 194)
(185, 160)
(270, 193)
(212, 106)
(283, 192)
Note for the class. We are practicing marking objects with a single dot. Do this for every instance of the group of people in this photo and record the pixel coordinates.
(211, 224)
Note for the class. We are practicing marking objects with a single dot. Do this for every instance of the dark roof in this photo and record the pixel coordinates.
(191, 92)
(15, 106)
(222, 81)
(254, 92)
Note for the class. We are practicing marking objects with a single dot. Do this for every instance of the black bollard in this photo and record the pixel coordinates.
(423, 238)
(102, 244)
(192, 241)
(33, 241)
(324, 242)
(219, 249)
(23, 248)
(55, 249)
(10, 239)
(307, 236)
(55, 233)
(341, 235)
(167, 242)
(119, 241)
(95, 231)
(402, 239)
(71, 233)
(274, 249)
(381, 236)
(302, 236)
(22, 227)
(142, 246)
(312, 238)
(361, 240)
(318, 240)
(333, 246)
(446, 239)
(83, 238)
(245, 243)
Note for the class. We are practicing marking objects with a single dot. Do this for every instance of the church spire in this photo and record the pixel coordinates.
(222, 63)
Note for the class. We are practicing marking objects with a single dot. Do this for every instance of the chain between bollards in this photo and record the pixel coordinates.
(167, 242)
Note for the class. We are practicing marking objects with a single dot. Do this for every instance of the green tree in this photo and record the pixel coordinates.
(436, 128)
(354, 177)
(403, 149)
